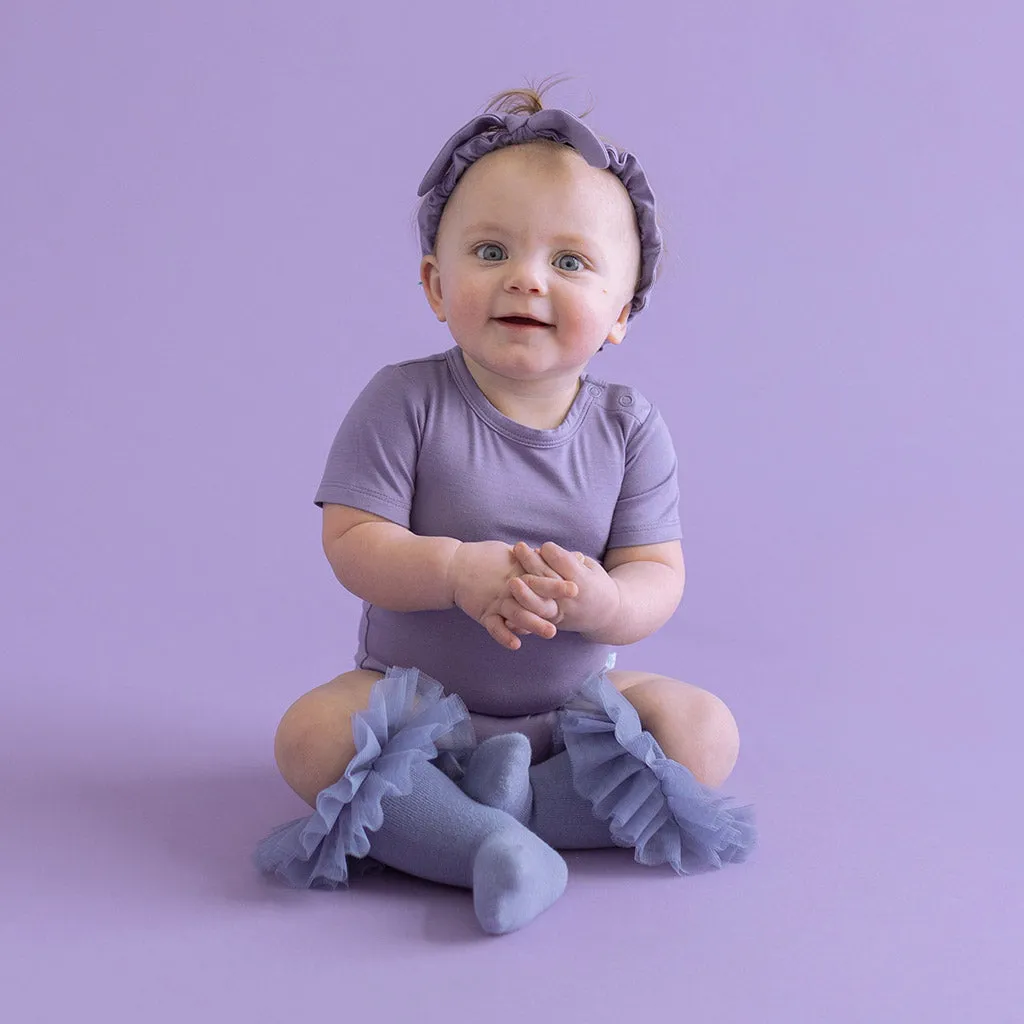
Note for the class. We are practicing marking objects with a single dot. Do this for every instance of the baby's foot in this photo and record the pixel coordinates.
(516, 876)
(498, 775)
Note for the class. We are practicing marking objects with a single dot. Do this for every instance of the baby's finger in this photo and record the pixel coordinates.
(516, 615)
(546, 586)
(495, 625)
(532, 561)
(561, 589)
(549, 587)
(568, 564)
(530, 599)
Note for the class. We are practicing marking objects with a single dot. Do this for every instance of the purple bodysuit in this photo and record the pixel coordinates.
(423, 447)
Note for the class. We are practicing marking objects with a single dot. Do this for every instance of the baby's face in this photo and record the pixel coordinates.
(534, 231)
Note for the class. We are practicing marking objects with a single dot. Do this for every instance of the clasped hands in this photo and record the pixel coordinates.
(517, 590)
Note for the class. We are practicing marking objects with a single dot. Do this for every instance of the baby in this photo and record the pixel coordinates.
(508, 520)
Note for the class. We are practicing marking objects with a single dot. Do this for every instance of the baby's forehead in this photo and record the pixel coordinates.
(546, 165)
(569, 189)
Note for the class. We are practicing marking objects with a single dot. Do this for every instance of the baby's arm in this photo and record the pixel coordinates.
(390, 566)
(625, 600)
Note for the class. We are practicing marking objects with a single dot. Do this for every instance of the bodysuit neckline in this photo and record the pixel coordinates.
(535, 437)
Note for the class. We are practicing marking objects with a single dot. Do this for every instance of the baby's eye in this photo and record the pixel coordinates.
(570, 256)
(489, 245)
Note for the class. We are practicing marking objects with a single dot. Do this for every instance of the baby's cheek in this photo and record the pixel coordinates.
(466, 310)
(585, 327)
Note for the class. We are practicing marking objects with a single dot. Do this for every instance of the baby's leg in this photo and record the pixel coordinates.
(314, 741)
(640, 760)
(691, 725)
(389, 801)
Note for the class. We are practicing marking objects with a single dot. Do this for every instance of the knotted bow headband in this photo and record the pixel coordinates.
(489, 132)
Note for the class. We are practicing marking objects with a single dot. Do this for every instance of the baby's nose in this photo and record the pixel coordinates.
(526, 275)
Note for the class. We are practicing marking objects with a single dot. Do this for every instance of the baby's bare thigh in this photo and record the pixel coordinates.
(647, 684)
(664, 704)
(314, 741)
(692, 725)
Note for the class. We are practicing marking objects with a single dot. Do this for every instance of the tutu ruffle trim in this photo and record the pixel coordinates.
(408, 720)
(650, 802)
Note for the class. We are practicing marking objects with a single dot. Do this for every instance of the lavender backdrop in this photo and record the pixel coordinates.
(206, 248)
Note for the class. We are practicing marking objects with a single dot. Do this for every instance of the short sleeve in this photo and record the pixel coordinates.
(647, 511)
(372, 461)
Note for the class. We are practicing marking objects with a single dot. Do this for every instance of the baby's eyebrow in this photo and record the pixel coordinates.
(484, 226)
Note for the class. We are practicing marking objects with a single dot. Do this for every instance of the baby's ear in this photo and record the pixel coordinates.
(430, 278)
(618, 329)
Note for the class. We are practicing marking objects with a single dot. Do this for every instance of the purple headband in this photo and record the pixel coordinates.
(489, 132)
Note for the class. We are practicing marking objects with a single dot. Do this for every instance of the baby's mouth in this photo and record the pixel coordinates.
(522, 321)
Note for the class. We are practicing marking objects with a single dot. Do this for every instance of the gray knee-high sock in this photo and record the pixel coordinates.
(561, 817)
(439, 833)
(498, 774)
(542, 797)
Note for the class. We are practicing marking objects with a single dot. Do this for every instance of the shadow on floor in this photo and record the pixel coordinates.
(190, 836)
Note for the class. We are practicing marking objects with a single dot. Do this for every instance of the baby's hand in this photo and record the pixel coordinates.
(529, 600)
(597, 599)
(479, 576)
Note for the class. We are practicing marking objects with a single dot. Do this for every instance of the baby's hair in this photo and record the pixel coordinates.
(525, 101)
(530, 101)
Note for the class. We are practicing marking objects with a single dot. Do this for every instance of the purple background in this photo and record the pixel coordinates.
(207, 249)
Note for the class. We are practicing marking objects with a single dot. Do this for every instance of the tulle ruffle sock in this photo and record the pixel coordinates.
(542, 797)
(393, 804)
(612, 785)
(647, 800)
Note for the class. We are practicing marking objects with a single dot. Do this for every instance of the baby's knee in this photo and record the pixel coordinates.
(312, 746)
(721, 738)
(702, 734)
(298, 737)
